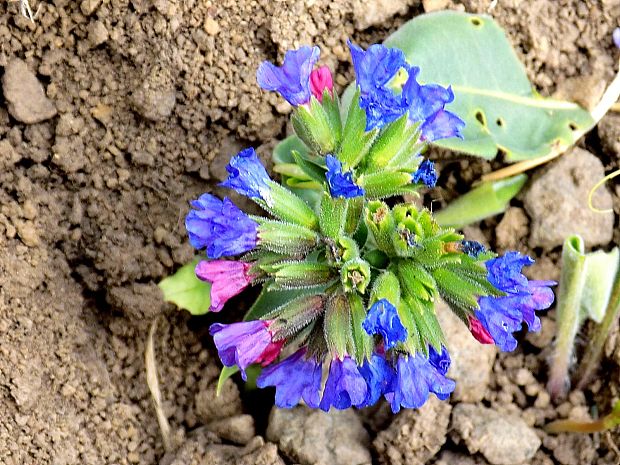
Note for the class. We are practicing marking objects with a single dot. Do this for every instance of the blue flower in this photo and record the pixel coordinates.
(220, 227)
(383, 319)
(345, 386)
(379, 377)
(247, 176)
(441, 361)
(294, 378)
(426, 174)
(417, 377)
(292, 79)
(374, 69)
(243, 343)
(340, 184)
(426, 105)
(504, 315)
(472, 248)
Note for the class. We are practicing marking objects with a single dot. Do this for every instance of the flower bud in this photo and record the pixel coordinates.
(295, 275)
(286, 206)
(337, 325)
(312, 125)
(381, 224)
(385, 184)
(293, 316)
(355, 275)
(286, 238)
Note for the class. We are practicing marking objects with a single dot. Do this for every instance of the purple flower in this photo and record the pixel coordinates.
(426, 174)
(616, 37)
(244, 343)
(294, 378)
(441, 361)
(247, 176)
(340, 184)
(345, 386)
(383, 319)
(220, 227)
(292, 79)
(374, 69)
(227, 278)
(472, 248)
(379, 377)
(417, 377)
(504, 315)
(426, 105)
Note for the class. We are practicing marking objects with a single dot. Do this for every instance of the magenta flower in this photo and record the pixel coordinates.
(479, 332)
(244, 343)
(228, 278)
(321, 79)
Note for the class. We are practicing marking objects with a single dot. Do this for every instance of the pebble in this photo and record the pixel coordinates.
(374, 12)
(26, 99)
(238, 429)
(97, 34)
(502, 439)
(211, 26)
(557, 202)
(311, 437)
(28, 234)
(88, 7)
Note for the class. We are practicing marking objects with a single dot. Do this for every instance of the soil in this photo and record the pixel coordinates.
(116, 113)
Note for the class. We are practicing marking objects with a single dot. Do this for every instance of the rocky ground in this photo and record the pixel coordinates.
(117, 112)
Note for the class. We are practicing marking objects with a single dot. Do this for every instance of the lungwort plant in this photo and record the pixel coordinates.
(351, 280)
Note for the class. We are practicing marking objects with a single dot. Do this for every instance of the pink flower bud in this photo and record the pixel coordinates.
(321, 79)
(479, 332)
(228, 278)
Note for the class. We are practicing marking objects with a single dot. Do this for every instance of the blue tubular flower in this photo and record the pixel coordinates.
(440, 361)
(220, 227)
(379, 377)
(426, 105)
(345, 386)
(292, 79)
(247, 175)
(472, 248)
(426, 174)
(294, 378)
(502, 316)
(416, 378)
(340, 184)
(383, 319)
(374, 69)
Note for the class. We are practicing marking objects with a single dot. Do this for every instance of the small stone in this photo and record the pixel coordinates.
(557, 202)
(8, 154)
(512, 228)
(211, 26)
(415, 435)
(97, 34)
(311, 437)
(472, 362)
(586, 90)
(26, 98)
(28, 234)
(374, 12)
(102, 113)
(29, 210)
(609, 133)
(238, 429)
(88, 7)
(434, 5)
(155, 98)
(501, 438)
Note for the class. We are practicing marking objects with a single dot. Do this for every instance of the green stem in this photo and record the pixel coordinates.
(609, 421)
(592, 356)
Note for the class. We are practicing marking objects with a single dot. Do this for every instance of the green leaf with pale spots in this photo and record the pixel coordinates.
(186, 291)
(492, 93)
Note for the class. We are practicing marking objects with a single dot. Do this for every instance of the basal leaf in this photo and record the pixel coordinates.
(492, 92)
(186, 291)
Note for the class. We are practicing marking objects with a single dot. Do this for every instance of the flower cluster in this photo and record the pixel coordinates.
(356, 277)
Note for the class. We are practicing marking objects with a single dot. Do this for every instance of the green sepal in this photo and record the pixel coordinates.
(413, 344)
(377, 258)
(293, 316)
(293, 275)
(342, 249)
(337, 325)
(354, 213)
(285, 238)
(386, 286)
(312, 125)
(385, 184)
(423, 313)
(380, 221)
(285, 205)
(355, 275)
(331, 105)
(362, 342)
(332, 216)
(458, 290)
(398, 144)
(415, 281)
(312, 170)
(355, 140)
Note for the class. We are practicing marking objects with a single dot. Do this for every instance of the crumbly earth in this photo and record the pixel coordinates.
(115, 114)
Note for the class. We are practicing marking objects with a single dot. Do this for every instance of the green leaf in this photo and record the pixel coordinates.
(492, 93)
(355, 140)
(186, 291)
(488, 199)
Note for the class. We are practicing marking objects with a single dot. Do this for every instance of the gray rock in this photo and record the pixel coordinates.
(238, 429)
(501, 438)
(609, 133)
(155, 97)
(415, 435)
(26, 99)
(472, 362)
(557, 202)
(372, 12)
(313, 437)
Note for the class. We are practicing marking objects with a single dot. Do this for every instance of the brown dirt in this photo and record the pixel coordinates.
(152, 98)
